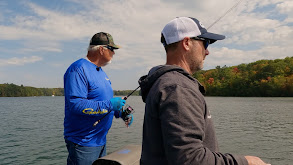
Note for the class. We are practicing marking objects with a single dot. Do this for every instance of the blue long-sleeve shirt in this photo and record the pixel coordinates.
(87, 99)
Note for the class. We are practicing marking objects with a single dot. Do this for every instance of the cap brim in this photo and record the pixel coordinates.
(115, 46)
(212, 37)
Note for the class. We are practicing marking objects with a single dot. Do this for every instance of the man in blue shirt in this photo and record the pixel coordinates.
(88, 98)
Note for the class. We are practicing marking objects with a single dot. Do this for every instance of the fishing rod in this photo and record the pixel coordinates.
(228, 11)
(127, 112)
(125, 98)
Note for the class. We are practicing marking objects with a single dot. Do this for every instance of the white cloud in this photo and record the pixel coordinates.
(257, 34)
(19, 61)
(286, 7)
(39, 49)
(253, 30)
(233, 57)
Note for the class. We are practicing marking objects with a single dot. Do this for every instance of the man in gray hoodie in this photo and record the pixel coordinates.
(178, 127)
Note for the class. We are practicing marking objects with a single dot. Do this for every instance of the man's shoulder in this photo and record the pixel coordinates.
(175, 77)
(79, 64)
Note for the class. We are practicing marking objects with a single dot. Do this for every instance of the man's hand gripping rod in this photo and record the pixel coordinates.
(125, 98)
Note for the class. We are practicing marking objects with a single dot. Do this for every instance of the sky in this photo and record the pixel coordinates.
(39, 39)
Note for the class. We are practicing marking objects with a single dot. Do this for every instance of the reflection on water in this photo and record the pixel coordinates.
(32, 128)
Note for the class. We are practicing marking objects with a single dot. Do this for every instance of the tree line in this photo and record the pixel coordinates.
(126, 93)
(12, 90)
(263, 78)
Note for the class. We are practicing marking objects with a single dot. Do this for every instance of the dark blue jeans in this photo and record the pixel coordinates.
(81, 155)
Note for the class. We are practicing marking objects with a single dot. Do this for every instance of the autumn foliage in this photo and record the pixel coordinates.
(272, 78)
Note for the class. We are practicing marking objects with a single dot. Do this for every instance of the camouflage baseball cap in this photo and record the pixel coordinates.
(103, 38)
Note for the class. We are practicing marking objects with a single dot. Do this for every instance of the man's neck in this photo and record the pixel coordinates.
(92, 58)
(174, 59)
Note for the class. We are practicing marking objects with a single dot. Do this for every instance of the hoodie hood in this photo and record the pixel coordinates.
(147, 81)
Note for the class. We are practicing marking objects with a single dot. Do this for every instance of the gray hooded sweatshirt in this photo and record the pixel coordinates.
(178, 127)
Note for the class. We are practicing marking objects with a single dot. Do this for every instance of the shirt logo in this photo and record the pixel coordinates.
(107, 79)
(90, 111)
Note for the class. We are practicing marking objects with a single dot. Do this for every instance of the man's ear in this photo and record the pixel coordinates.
(186, 43)
(101, 50)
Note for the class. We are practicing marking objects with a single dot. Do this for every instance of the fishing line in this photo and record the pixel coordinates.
(228, 11)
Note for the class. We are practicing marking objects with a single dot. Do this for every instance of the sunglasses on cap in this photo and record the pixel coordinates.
(206, 42)
(110, 48)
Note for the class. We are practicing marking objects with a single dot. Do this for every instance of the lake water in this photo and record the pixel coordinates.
(32, 128)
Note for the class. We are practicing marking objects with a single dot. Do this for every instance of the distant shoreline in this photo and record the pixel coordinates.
(12, 90)
(263, 78)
